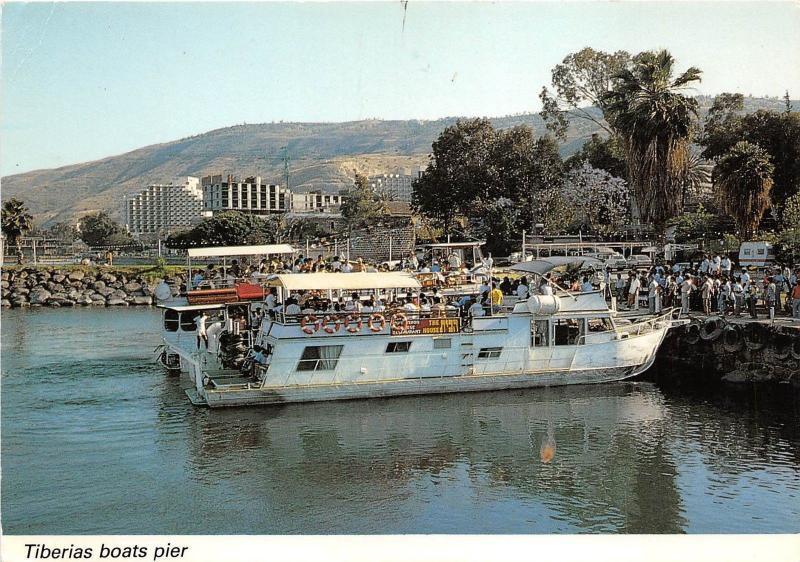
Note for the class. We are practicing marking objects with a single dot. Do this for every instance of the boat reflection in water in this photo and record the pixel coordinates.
(458, 463)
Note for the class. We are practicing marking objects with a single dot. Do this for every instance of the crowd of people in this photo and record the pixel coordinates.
(712, 286)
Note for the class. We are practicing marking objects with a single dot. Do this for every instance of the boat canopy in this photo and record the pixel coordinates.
(189, 307)
(543, 265)
(349, 281)
(220, 251)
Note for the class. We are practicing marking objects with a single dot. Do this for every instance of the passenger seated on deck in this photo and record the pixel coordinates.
(476, 309)
(437, 309)
(291, 307)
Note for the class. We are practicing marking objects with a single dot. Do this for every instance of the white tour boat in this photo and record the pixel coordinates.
(260, 356)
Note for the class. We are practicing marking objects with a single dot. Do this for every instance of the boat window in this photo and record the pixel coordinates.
(187, 320)
(599, 324)
(320, 358)
(540, 333)
(442, 343)
(568, 331)
(398, 347)
(171, 320)
(489, 352)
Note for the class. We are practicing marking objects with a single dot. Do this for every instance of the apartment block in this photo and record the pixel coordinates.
(160, 208)
(252, 195)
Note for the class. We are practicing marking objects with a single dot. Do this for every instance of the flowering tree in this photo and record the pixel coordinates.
(600, 200)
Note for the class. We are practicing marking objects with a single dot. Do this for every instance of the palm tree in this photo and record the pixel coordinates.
(698, 173)
(654, 121)
(743, 184)
(16, 221)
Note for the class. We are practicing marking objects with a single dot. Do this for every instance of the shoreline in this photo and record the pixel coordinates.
(71, 286)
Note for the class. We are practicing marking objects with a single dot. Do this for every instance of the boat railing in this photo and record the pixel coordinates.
(644, 326)
(393, 317)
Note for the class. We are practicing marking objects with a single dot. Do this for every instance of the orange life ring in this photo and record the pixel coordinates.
(349, 319)
(331, 329)
(381, 322)
(399, 321)
(309, 324)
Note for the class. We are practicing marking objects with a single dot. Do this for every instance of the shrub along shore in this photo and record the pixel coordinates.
(84, 285)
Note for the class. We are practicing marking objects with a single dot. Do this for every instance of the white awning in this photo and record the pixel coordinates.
(347, 281)
(543, 265)
(189, 307)
(240, 250)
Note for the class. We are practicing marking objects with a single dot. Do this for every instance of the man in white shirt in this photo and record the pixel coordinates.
(686, 288)
(725, 266)
(633, 292)
(476, 310)
(652, 292)
(201, 329)
(292, 307)
(454, 262)
(522, 289)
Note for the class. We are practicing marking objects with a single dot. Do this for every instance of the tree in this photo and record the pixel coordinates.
(98, 229)
(16, 221)
(654, 122)
(229, 228)
(600, 200)
(776, 132)
(459, 173)
(604, 154)
(580, 82)
(789, 236)
(743, 182)
(63, 231)
(496, 222)
(361, 205)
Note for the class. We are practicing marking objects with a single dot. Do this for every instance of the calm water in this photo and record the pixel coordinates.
(96, 439)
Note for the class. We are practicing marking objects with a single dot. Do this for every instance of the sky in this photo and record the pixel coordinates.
(81, 81)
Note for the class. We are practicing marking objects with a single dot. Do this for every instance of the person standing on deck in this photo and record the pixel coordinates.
(454, 262)
(522, 289)
(496, 298)
(202, 335)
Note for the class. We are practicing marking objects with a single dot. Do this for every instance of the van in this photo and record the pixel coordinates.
(756, 254)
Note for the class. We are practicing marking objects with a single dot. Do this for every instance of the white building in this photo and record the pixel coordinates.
(396, 186)
(227, 193)
(315, 202)
(161, 208)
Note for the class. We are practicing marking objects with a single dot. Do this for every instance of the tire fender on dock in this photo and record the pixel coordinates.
(783, 346)
(794, 349)
(712, 329)
(755, 336)
(692, 333)
(732, 339)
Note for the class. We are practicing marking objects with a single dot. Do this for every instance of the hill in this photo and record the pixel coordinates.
(322, 156)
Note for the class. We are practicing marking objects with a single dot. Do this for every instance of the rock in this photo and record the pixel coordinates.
(143, 300)
(132, 287)
(97, 285)
(67, 303)
(5, 303)
(97, 297)
(116, 302)
(108, 278)
(5, 284)
(22, 291)
(20, 302)
(84, 300)
(58, 297)
(101, 302)
(5, 276)
(76, 276)
(105, 291)
(58, 278)
(39, 296)
(118, 294)
(54, 304)
(74, 295)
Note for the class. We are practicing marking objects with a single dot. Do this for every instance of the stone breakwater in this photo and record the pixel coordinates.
(35, 287)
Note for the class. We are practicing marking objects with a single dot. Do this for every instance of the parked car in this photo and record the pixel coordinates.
(610, 258)
(639, 261)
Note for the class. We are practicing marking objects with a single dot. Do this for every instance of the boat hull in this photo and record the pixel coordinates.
(410, 387)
